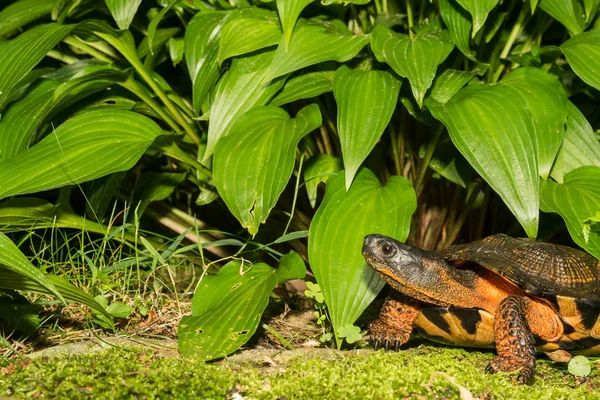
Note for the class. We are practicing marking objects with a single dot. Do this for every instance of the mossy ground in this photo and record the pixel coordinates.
(305, 374)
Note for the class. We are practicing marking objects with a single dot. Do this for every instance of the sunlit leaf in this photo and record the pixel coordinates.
(583, 54)
(259, 31)
(576, 200)
(85, 147)
(289, 10)
(254, 162)
(123, 11)
(416, 59)
(479, 10)
(305, 86)
(227, 307)
(337, 232)
(459, 25)
(243, 87)
(580, 146)
(155, 21)
(366, 101)
(449, 83)
(509, 149)
(314, 42)
(570, 13)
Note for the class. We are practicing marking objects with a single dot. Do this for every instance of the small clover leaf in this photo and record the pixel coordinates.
(350, 332)
(326, 337)
(314, 292)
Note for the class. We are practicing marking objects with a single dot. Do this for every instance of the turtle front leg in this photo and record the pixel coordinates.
(394, 324)
(514, 341)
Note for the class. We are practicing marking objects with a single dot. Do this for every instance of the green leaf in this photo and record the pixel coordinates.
(291, 266)
(319, 168)
(176, 50)
(304, 86)
(119, 310)
(570, 13)
(154, 186)
(416, 59)
(479, 10)
(201, 44)
(580, 366)
(583, 54)
(12, 260)
(85, 147)
(123, 11)
(580, 146)
(509, 149)
(289, 10)
(576, 200)
(459, 25)
(366, 101)
(314, 42)
(254, 162)
(450, 164)
(160, 38)
(21, 13)
(155, 21)
(227, 307)
(591, 7)
(20, 55)
(19, 314)
(337, 232)
(259, 31)
(350, 332)
(449, 83)
(243, 87)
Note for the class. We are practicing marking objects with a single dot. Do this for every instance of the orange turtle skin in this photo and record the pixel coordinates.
(517, 295)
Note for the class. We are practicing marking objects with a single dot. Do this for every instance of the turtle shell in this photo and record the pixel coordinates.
(540, 269)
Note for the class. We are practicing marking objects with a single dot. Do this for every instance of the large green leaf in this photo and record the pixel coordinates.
(314, 42)
(580, 146)
(591, 7)
(227, 307)
(479, 10)
(512, 148)
(576, 200)
(449, 83)
(21, 13)
(459, 25)
(12, 260)
(289, 10)
(583, 54)
(416, 59)
(15, 281)
(305, 86)
(254, 162)
(85, 147)
(570, 13)
(337, 232)
(123, 11)
(366, 101)
(48, 97)
(20, 55)
(201, 45)
(243, 87)
(260, 31)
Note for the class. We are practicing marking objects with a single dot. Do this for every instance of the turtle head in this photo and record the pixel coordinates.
(416, 273)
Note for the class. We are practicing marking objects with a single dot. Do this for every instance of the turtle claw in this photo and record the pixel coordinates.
(386, 344)
(375, 344)
(396, 345)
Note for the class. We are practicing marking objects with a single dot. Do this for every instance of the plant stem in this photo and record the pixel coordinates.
(141, 92)
(427, 159)
(462, 217)
(81, 45)
(522, 19)
(410, 18)
(295, 194)
(394, 137)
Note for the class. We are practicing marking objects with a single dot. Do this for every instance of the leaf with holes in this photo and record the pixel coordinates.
(254, 162)
(576, 200)
(583, 54)
(366, 101)
(416, 59)
(337, 232)
(227, 307)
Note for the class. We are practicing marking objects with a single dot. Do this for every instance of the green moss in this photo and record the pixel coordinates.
(364, 374)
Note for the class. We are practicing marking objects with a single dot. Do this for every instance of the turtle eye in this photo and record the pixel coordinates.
(388, 249)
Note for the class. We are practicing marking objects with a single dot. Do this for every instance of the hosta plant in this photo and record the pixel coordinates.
(428, 121)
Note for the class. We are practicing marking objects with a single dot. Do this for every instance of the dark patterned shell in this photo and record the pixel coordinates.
(541, 269)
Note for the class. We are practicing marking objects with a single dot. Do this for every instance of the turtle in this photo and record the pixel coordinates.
(520, 296)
